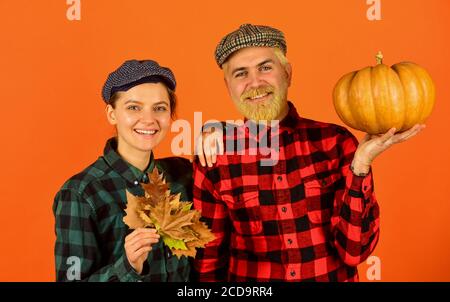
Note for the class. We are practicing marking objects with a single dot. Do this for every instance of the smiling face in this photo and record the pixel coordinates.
(142, 117)
(257, 81)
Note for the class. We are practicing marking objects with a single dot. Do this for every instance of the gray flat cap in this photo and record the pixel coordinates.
(134, 72)
(249, 35)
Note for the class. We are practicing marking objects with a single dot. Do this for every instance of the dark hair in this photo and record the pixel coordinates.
(172, 99)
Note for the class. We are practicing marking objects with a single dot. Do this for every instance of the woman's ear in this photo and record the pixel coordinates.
(111, 114)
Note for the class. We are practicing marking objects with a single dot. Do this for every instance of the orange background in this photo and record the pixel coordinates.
(53, 122)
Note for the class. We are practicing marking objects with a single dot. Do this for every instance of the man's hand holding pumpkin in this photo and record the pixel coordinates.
(373, 145)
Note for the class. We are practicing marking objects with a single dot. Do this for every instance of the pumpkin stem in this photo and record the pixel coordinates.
(379, 58)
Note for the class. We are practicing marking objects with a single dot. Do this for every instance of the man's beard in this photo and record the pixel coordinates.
(267, 110)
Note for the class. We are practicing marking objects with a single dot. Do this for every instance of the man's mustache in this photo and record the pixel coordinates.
(251, 93)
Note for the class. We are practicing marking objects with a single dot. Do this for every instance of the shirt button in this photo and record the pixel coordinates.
(293, 273)
(284, 209)
(279, 178)
(290, 241)
(136, 182)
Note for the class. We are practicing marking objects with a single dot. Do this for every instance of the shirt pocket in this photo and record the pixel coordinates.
(245, 213)
(319, 194)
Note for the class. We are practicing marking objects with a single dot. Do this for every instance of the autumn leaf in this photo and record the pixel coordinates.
(175, 220)
(204, 234)
(156, 189)
(134, 207)
(174, 243)
(186, 206)
(171, 221)
(189, 252)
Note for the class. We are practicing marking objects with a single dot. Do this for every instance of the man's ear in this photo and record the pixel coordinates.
(225, 72)
(225, 81)
(111, 114)
(288, 70)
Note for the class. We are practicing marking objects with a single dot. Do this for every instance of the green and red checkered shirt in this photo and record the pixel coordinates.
(90, 231)
(306, 218)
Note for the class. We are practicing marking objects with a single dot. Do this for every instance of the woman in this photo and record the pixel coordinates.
(92, 242)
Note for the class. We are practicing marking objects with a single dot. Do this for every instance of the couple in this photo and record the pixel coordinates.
(311, 216)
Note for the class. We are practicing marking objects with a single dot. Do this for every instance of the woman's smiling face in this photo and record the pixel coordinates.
(142, 117)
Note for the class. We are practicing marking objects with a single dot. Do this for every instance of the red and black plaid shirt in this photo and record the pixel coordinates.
(307, 218)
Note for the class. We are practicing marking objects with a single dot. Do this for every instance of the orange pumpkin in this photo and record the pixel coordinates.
(375, 99)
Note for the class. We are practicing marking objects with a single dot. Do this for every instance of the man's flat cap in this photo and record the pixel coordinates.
(249, 35)
(134, 72)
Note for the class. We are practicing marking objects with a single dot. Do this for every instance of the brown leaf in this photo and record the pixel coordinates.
(203, 233)
(169, 222)
(156, 189)
(147, 220)
(204, 236)
(174, 219)
(175, 201)
(185, 235)
(190, 252)
(134, 206)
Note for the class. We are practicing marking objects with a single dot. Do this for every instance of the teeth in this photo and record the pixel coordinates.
(259, 96)
(145, 131)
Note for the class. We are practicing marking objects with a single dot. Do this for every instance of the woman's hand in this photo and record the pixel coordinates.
(137, 246)
(208, 145)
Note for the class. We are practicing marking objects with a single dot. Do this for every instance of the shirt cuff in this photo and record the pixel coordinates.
(361, 191)
(360, 185)
(125, 272)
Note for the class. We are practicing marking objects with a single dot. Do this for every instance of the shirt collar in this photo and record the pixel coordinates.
(129, 172)
(292, 120)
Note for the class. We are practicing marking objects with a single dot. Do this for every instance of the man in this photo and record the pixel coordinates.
(313, 215)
